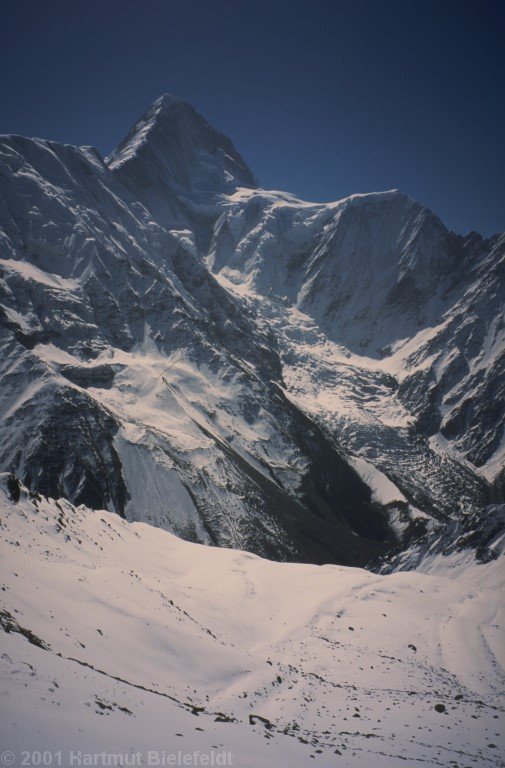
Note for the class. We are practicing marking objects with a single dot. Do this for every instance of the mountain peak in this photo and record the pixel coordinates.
(164, 105)
(167, 100)
(141, 130)
(175, 152)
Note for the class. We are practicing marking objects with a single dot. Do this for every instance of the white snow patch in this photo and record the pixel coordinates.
(384, 491)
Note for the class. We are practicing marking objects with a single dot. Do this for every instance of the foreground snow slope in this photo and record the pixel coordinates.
(122, 637)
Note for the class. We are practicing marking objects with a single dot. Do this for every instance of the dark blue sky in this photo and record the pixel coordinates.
(323, 98)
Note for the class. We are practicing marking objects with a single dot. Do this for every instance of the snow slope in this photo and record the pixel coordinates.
(121, 637)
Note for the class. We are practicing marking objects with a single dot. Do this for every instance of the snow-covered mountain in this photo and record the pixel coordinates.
(178, 165)
(123, 639)
(336, 389)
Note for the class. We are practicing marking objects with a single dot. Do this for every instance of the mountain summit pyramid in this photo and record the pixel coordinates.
(174, 157)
